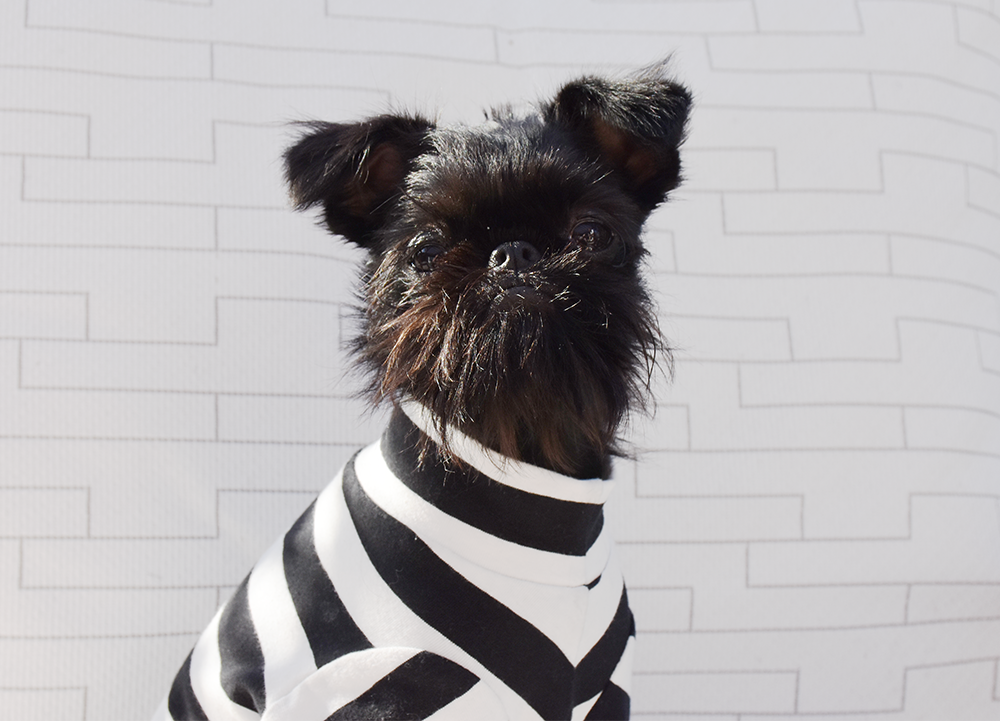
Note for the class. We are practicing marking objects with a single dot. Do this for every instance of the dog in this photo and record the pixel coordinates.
(460, 568)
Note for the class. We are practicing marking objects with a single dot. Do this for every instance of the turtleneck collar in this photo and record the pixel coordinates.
(511, 473)
(551, 525)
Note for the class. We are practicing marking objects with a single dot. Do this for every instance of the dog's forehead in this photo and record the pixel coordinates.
(508, 142)
(504, 166)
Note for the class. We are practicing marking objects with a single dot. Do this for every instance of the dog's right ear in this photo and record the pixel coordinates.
(354, 170)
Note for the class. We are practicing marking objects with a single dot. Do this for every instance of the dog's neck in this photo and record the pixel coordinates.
(479, 456)
(589, 463)
(528, 439)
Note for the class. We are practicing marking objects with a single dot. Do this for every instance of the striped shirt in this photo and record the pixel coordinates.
(488, 591)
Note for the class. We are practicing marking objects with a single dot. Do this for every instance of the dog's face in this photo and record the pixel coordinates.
(502, 288)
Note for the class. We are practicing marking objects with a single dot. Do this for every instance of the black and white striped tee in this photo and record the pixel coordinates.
(487, 592)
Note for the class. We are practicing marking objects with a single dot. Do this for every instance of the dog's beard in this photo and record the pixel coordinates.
(543, 373)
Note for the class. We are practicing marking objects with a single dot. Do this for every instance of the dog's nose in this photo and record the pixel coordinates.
(514, 256)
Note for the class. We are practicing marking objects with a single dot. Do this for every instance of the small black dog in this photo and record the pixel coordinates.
(460, 567)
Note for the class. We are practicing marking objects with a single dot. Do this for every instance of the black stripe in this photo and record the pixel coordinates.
(181, 702)
(330, 629)
(613, 705)
(242, 673)
(547, 524)
(593, 672)
(424, 684)
(511, 648)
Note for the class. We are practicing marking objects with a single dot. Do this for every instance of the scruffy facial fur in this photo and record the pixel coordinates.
(502, 286)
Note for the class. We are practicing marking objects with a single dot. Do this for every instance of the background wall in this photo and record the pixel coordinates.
(814, 526)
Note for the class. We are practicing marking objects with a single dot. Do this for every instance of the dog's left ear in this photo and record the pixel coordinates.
(635, 126)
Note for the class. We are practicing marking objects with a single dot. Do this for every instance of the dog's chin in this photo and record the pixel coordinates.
(515, 293)
(520, 297)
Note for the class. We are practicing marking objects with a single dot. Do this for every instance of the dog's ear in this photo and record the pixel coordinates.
(354, 170)
(634, 125)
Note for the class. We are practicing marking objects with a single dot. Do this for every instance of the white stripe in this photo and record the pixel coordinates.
(522, 476)
(603, 601)
(379, 613)
(337, 684)
(206, 666)
(450, 535)
(580, 712)
(284, 644)
(479, 703)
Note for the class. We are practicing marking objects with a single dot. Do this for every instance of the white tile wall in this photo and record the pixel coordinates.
(812, 525)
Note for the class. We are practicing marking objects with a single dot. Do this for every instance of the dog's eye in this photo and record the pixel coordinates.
(591, 235)
(425, 256)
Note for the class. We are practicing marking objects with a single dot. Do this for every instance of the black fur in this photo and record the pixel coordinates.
(502, 288)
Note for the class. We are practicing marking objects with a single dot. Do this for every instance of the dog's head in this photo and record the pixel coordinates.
(502, 288)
